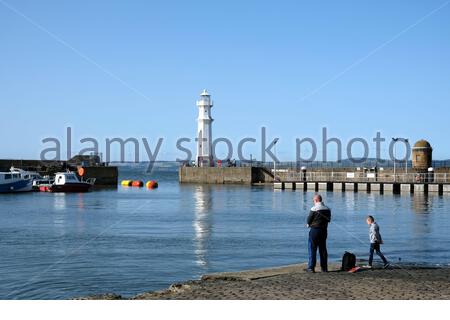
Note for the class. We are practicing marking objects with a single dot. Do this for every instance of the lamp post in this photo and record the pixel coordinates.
(406, 160)
(275, 160)
(395, 140)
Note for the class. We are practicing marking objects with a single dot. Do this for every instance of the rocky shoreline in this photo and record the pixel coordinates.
(293, 283)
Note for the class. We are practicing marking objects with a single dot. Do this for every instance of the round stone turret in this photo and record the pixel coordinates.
(422, 154)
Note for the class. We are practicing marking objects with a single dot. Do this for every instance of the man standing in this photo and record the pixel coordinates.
(318, 219)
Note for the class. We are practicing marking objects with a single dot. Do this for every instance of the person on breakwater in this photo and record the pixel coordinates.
(318, 220)
(375, 241)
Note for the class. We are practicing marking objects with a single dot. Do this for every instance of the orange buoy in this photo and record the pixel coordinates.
(137, 183)
(152, 184)
(81, 171)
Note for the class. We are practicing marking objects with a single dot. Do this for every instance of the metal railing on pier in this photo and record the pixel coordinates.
(364, 177)
(371, 163)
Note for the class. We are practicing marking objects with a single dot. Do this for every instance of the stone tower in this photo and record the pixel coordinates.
(422, 154)
(204, 132)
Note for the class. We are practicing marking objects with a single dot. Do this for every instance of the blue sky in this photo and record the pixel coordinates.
(135, 69)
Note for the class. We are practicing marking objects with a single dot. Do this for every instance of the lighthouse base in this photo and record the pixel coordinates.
(205, 162)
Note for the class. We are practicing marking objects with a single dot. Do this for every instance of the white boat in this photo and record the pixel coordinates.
(15, 180)
(68, 182)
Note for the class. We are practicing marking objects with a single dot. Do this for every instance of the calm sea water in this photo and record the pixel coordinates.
(127, 241)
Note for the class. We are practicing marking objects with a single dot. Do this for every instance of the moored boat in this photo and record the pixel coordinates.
(42, 182)
(15, 181)
(68, 182)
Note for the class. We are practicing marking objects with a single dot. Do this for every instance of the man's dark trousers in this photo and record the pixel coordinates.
(375, 247)
(318, 240)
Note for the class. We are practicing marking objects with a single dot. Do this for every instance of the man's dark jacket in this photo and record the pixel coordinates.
(319, 216)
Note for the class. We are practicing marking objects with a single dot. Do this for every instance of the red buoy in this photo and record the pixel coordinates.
(137, 183)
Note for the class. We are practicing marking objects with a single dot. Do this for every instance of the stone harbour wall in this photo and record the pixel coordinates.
(227, 175)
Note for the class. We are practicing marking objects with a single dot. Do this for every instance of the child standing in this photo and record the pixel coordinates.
(375, 241)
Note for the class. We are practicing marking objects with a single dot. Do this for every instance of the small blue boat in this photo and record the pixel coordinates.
(15, 181)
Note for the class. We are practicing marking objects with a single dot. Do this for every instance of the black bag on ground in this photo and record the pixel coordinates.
(348, 261)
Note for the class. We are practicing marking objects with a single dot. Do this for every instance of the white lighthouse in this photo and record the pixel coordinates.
(204, 132)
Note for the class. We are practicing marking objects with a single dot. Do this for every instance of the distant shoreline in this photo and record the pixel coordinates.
(401, 282)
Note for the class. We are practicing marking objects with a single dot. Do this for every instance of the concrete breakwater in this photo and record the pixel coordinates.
(226, 175)
(326, 179)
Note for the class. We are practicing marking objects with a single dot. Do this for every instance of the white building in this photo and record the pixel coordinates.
(204, 132)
